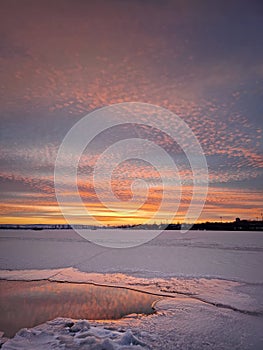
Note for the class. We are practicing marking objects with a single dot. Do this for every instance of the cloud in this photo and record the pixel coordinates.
(63, 59)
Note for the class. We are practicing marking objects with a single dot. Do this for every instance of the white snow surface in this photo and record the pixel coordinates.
(211, 254)
(215, 280)
(64, 333)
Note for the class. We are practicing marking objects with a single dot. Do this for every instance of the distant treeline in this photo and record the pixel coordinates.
(237, 225)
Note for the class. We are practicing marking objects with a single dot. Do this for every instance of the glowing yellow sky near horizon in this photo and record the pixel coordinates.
(49, 212)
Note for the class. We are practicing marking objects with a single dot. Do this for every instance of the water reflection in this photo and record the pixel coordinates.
(26, 304)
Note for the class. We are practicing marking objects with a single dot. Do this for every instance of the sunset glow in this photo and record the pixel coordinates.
(63, 59)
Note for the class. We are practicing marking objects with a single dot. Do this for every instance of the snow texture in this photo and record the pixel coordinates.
(67, 334)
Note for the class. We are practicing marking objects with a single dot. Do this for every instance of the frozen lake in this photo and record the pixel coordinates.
(232, 255)
(219, 276)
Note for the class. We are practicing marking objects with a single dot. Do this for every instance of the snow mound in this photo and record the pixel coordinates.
(64, 333)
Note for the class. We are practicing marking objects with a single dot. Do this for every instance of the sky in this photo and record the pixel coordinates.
(61, 59)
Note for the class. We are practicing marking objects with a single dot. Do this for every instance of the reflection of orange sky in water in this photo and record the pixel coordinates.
(26, 304)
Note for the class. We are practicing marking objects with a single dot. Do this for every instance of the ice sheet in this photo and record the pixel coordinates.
(234, 256)
(218, 274)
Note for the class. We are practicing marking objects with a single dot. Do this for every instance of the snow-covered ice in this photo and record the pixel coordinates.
(213, 280)
(67, 334)
(212, 254)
